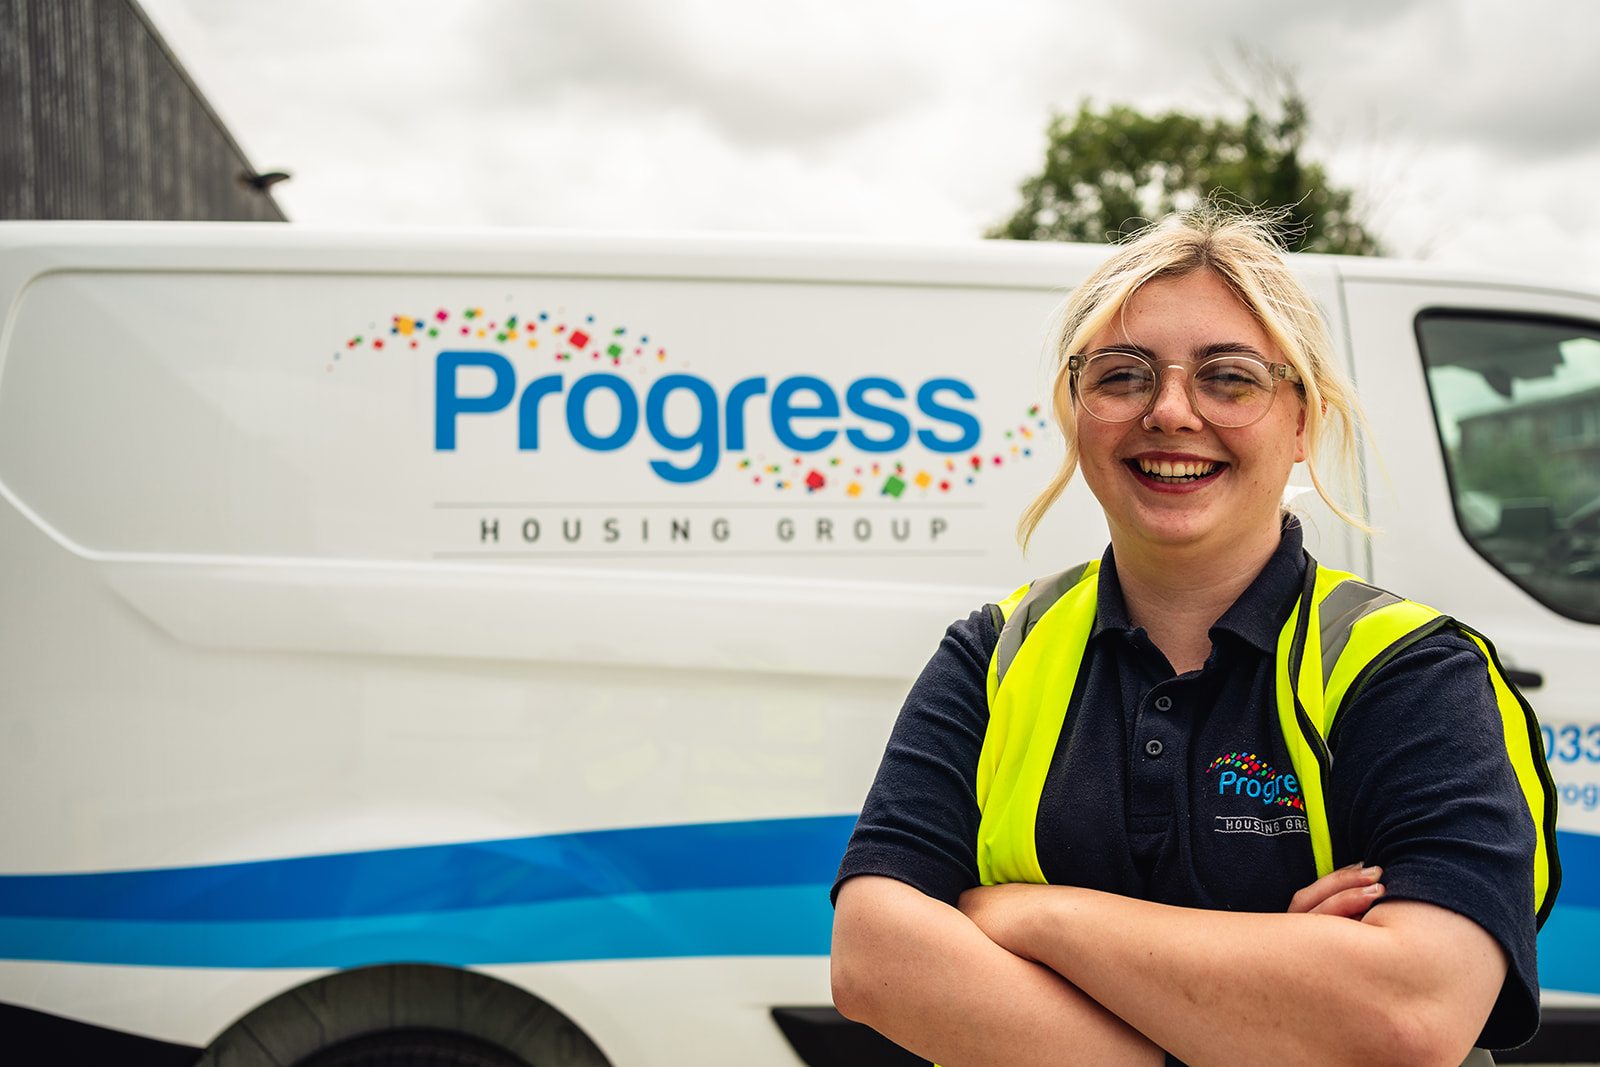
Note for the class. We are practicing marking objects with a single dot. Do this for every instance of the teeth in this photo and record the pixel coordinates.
(1167, 469)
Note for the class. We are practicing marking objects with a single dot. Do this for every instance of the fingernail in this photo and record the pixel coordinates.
(1373, 890)
(1371, 872)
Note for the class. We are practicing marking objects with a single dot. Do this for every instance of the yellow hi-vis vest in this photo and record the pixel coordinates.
(1033, 675)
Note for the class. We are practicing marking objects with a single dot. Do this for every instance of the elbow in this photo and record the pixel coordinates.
(1409, 1034)
(852, 987)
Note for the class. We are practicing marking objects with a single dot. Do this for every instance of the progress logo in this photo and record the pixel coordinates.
(610, 389)
(1245, 774)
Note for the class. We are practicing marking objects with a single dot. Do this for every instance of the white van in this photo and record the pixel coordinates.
(482, 642)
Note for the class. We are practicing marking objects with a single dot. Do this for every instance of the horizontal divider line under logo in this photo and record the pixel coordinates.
(681, 505)
(555, 553)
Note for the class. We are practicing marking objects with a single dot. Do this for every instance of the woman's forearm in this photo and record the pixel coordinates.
(1411, 983)
(922, 974)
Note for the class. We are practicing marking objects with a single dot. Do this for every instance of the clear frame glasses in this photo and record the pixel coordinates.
(1229, 391)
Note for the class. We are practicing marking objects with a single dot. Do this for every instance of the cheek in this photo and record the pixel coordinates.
(1094, 442)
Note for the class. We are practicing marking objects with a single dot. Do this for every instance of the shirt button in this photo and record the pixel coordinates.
(1153, 747)
(1163, 703)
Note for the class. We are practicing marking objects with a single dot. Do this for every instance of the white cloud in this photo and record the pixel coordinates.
(1467, 125)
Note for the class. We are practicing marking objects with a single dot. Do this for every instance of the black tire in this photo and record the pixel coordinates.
(404, 1015)
(413, 1048)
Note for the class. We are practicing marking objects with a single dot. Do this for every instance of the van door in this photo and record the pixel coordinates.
(1483, 478)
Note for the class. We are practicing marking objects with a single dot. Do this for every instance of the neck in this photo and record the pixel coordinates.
(1176, 592)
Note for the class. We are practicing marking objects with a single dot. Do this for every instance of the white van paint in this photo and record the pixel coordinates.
(282, 579)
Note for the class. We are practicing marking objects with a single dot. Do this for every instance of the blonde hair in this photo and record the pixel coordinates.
(1245, 251)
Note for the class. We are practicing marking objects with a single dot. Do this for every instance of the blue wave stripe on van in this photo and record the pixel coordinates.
(751, 921)
(438, 878)
(1569, 946)
(1580, 871)
(719, 889)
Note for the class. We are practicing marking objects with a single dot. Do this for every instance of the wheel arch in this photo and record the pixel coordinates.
(338, 1007)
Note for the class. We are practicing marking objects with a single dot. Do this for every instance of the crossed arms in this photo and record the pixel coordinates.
(1031, 974)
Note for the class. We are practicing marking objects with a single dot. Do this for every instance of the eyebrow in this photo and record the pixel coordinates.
(1200, 355)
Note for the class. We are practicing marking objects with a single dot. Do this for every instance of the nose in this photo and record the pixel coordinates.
(1172, 408)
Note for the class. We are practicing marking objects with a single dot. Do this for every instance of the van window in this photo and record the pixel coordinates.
(1517, 401)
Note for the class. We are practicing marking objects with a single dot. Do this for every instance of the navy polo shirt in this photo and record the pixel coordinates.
(1179, 788)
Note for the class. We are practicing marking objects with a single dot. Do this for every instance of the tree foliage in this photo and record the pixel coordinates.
(1107, 173)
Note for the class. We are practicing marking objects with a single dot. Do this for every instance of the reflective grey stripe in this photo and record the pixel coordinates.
(1040, 598)
(1340, 610)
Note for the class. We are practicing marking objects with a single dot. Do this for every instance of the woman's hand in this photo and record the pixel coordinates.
(1003, 912)
(1347, 892)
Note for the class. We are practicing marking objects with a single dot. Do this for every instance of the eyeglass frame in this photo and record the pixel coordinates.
(1277, 371)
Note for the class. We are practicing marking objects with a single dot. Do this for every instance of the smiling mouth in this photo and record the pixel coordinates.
(1180, 473)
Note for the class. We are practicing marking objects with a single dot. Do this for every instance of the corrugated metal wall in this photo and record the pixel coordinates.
(99, 121)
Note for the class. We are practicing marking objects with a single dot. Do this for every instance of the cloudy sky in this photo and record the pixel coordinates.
(1470, 129)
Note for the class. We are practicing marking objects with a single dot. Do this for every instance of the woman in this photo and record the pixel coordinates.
(1098, 838)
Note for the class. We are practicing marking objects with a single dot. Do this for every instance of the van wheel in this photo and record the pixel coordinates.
(404, 1015)
(413, 1048)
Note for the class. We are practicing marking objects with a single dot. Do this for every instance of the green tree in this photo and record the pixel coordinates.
(1107, 173)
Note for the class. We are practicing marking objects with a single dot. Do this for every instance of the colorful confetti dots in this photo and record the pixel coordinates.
(923, 479)
(614, 351)
(578, 338)
(853, 489)
(893, 487)
(815, 481)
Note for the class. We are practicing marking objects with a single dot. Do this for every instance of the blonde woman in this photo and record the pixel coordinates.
(1203, 802)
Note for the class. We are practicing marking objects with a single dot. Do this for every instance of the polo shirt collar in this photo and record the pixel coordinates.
(1255, 618)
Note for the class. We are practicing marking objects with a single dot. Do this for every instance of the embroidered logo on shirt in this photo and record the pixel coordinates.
(1245, 774)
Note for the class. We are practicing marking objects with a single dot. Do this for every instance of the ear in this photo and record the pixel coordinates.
(1300, 432)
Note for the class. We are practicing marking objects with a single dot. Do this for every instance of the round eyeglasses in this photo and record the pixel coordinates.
(1229, 391)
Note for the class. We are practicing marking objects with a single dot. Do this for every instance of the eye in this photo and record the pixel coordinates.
(1118, 374)
(1232, 376)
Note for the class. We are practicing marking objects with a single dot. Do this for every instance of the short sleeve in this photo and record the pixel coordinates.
(919, 823)
(1422, 786)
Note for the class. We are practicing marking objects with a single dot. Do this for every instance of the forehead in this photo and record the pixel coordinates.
(1176, 317)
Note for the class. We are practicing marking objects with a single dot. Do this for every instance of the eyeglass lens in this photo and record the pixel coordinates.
(1229, 391)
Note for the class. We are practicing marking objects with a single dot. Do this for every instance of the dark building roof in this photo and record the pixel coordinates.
(98, 120)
